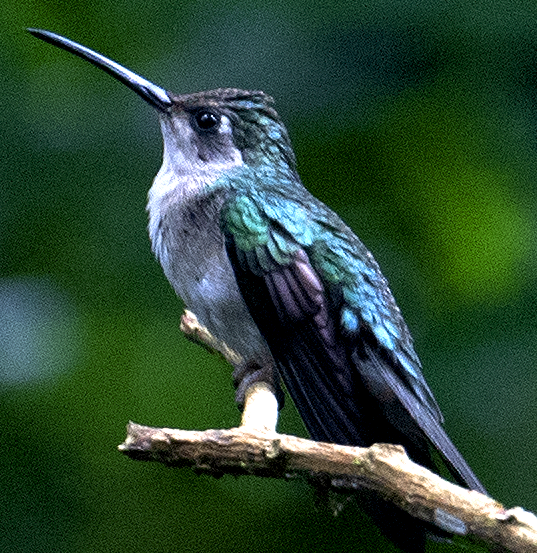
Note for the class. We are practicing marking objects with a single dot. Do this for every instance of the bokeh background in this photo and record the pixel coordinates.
(416, 121)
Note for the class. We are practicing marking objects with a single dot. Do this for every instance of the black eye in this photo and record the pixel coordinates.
(207, 120)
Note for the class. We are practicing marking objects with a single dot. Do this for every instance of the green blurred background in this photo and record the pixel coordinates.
(416, 121)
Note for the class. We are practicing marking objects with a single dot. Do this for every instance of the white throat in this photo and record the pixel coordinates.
(184, 175)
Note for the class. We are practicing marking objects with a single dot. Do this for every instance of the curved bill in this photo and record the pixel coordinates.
(151, 93)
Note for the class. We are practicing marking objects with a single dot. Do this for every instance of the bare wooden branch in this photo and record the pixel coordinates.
(260, 411)
(256, 449)
(384, 468)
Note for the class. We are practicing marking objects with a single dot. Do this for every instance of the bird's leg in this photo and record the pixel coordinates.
(258, 392)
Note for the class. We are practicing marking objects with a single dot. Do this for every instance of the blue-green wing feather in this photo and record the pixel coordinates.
(328, 316)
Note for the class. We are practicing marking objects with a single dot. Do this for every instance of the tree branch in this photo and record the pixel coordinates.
(257, 449)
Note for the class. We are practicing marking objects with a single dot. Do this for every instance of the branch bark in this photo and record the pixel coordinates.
(257, 449)
(384, 468)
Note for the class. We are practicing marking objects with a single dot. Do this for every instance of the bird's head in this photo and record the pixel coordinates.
(205, 131)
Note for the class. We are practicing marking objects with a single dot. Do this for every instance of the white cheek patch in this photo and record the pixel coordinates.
(224, 129)
(225, 126)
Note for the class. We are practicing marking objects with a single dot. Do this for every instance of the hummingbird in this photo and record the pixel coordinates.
(276, 275)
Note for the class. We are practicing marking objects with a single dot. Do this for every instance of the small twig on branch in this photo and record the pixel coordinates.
(198, 334)
(256, 449)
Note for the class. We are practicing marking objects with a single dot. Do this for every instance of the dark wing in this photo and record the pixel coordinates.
(333, 328)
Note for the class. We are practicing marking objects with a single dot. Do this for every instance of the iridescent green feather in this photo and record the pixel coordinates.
(271, 227)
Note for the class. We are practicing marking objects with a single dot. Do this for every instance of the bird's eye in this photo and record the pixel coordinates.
(207, 120)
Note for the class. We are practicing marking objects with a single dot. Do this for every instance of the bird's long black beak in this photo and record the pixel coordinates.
(151, 93)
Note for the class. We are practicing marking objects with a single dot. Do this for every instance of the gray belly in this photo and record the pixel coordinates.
(195, 262)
